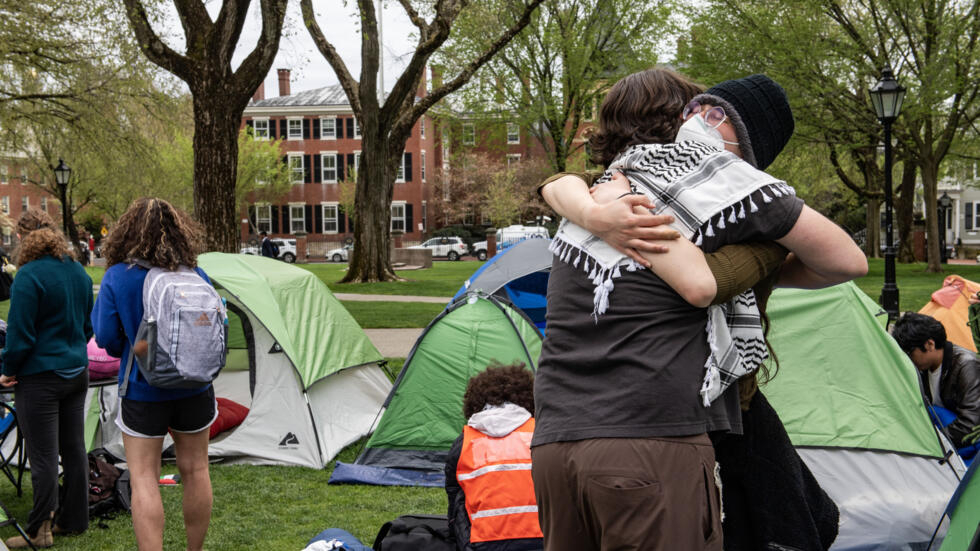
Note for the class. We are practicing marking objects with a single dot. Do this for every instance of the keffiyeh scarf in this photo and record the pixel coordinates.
(705, 190)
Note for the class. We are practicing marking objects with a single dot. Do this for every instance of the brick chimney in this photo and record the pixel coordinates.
(259, 94)
(283, 81)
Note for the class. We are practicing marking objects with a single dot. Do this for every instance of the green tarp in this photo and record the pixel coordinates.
(424, 411)
(843, 381)
(325, 340)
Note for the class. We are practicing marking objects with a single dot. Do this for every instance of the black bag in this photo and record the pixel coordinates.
(108, 486)
(415, 533)
(6, 280)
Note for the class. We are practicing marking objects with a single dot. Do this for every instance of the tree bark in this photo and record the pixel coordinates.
(904, 205)
(929, 169)
(215, 165)
(872, 246)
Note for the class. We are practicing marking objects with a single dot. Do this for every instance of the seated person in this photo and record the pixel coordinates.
(488, 471)
(950, 373)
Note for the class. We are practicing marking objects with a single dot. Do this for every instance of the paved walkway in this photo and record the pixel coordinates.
(391, 298)
(393, 343)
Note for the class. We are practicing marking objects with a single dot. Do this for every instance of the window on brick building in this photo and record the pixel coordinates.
(296, 168)
(398, 216)
(330, 217)
(263, 218)
(513, 133)
(328, 162)
(297, 218)
(328, 129)
(260, 129)
(295, 129)
(469, 134)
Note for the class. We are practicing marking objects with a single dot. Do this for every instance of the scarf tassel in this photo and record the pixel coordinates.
(731, 217)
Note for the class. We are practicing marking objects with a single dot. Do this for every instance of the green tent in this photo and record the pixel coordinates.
(423, 413)
(964, 514)
(297, 359)
(851, 403)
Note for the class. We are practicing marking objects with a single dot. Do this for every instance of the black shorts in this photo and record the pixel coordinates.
(153, 419)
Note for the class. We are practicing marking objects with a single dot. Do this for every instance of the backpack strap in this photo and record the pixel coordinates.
(129, 369)
(385, 528)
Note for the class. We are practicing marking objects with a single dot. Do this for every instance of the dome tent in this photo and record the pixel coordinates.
(423, 414)
(297, 359)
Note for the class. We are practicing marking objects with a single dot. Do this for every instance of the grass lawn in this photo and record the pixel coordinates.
(915, 285)
(392, 315)
(282, 507)
(442, 280)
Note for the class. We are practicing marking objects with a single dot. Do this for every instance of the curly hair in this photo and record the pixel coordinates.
(42, 242)
(644, 107)
(35, 219)
(154, 230)
(498, 384)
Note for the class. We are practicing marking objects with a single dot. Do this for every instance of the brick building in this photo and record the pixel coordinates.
(322, 145)
(17, 195)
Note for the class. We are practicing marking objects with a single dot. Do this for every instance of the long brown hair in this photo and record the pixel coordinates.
(154, 230)
(644, 107)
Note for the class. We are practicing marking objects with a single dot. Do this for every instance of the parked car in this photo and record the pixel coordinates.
(340, 255)
(287, 249)
(450, 247)
(479, 250)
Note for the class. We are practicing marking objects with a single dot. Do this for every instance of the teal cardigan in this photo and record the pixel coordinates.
(48, 326)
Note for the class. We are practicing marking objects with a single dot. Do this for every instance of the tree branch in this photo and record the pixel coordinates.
(153, 47)
(254, 68)
(347, 82)
(196, 21)
(417, 20)
(467, 72)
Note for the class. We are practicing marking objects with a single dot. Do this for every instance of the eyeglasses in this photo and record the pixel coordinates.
(713, 115)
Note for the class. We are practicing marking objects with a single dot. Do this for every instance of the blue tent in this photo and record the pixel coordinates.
(518, 274)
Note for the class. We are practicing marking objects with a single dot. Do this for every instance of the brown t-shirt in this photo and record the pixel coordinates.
(636, 371)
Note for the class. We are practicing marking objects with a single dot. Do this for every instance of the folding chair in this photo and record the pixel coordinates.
(9, 430)
(7, 520)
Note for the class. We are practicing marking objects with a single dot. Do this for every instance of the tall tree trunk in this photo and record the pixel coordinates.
(372, 237)
(929, 169)
(872, 246)
(904, 205)
(215, 165)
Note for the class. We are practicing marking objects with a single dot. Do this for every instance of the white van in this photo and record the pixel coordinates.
(509, 236)
(512, 234)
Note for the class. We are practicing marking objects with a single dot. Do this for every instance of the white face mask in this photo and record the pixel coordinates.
(695, 129)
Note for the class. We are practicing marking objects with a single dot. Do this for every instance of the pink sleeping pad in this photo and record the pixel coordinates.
(100, 364)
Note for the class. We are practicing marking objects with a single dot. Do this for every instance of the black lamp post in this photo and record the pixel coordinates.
(886, 97)
(944, 203)
(61, 175)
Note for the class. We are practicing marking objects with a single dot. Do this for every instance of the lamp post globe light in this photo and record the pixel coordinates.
(61, 175)
(886, 98)
(943, 206)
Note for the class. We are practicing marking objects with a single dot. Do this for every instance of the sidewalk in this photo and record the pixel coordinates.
(393, 343)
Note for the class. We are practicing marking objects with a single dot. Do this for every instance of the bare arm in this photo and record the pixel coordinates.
(626, 229)
(681, 264)
(823, 254)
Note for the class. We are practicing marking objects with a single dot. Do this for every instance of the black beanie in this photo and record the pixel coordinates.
(764, 109)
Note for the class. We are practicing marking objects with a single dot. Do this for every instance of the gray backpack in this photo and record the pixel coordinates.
(185, 327)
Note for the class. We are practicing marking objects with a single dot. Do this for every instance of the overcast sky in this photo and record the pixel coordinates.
(297, 51)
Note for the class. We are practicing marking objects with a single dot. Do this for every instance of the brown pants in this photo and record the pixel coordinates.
(612, 494)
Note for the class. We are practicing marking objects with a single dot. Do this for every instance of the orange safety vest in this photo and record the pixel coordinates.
(495, 475)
